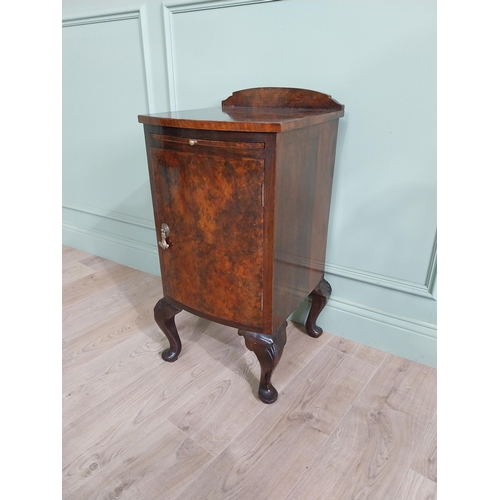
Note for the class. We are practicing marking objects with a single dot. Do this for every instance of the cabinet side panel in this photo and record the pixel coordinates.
(304, 175)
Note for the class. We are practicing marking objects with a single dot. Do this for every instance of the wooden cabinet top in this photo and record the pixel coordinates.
(267, 109)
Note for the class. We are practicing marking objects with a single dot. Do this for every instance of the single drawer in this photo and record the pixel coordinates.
(195, 141)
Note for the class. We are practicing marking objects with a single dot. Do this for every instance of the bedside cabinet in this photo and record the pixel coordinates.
(241, 197)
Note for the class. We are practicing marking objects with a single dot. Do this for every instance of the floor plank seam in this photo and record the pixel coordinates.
(115, 288)
(168, 415)
(202, 470)
(418, 446)
(265, 407)
(74, 343)
(357, 359)
(193, 440)
(239, 433)
(74, 332)
(256, 415)
(398, 488)
(338, 424)
(344, 393)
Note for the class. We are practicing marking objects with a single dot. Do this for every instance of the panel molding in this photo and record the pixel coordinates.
(432, 268)
(405, 337)
(194, 6)
(125, 251)
(178, 7)
(169, 56)
(113, 238)
(410, 324)
(396, 284)
(138, 13)
(116, 216)
(399, 285)
(101, 18)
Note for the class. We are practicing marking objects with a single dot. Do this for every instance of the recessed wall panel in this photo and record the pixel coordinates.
(377, 58)
(104, 89)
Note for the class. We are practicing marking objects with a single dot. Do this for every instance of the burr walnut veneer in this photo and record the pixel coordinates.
(241, 197)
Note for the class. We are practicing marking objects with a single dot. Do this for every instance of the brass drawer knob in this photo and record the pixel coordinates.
(192, 142)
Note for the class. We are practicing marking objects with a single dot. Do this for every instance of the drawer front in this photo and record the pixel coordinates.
(195, 141)
(213, 208)
(235, 144)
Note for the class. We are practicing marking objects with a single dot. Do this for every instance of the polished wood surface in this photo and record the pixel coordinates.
(350, 421)
(211, 204)
(246, 212)
(281, 97)
(319, 297)
(164, 314)
(305, 161)
(242, 119)
(268, 349)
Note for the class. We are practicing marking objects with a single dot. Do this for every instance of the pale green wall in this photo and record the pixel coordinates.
(378, 58)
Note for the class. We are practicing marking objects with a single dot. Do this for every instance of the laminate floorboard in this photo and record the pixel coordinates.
(350, 422)
(425, 459)
(215, 416)
(84, 287)
(416, 487)
(369, 453)
(266, 459)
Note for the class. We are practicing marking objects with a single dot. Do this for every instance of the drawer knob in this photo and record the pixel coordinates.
(192, 142)
(164, 233)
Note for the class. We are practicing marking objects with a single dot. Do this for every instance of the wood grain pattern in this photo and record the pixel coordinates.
(99, 264)
(416, 487)
(369, 453)
(268, 349)
(304, 174)
(173, 140)
(212, 206)
(123, 449)
(281, 97)
(81, 288)
(425, 459)
(367, 354)
(216, 415)
(106, 374)
(80, 265)
(71, 255)
(241, 119)
(92, 341)
(280, 442)
(104, 303)
(319, 297)
(72, 273)
(230, 206)
(359, 424)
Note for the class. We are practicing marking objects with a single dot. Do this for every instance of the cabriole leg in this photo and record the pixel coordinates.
(319, 296)
(268, 349)
(164, 315)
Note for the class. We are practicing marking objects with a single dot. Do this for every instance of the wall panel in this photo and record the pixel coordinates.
(377, 58)
(105, 86)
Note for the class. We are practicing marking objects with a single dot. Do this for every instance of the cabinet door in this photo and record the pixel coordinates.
(213, 208)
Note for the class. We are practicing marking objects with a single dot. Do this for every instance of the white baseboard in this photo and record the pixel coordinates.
(125, 251)
(404, 337)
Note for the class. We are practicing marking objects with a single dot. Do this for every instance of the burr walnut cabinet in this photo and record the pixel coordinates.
(241, 197)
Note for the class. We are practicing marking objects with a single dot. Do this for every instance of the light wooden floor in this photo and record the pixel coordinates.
(351, 422)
